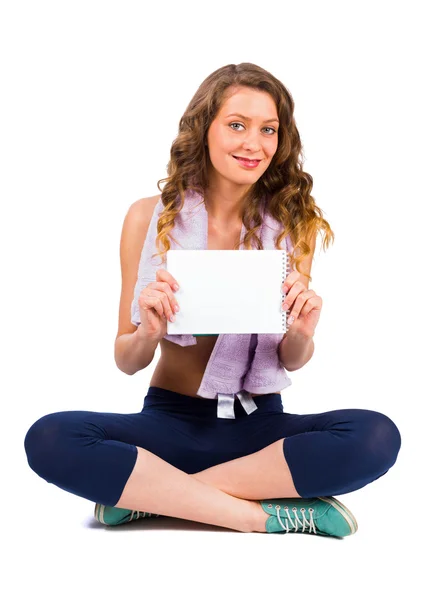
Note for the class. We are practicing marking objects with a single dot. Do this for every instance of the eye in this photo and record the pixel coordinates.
(240, 124)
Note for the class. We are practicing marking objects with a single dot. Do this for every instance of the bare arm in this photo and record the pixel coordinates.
(133, 352)
(295, 351)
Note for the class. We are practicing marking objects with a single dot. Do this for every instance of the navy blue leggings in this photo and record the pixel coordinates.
(92, 454)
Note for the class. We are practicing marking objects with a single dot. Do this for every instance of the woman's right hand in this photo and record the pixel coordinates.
(157, 304)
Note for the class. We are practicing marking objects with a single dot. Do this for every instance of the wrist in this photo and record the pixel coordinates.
(298, 335)
(295, 350)
(142, 336)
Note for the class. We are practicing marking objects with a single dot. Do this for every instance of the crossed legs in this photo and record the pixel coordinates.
(97, 456)
(221, 495)
(339, 451)
(263, 474)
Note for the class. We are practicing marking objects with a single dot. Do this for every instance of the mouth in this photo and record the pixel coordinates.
(245, 158)
(251, 161)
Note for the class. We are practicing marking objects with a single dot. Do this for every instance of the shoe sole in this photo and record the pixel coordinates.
(98, 513)
(345, 512)
(99, 510)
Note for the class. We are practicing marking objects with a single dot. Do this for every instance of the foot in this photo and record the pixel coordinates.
(110, 515)
(323, 515)
(260, 517)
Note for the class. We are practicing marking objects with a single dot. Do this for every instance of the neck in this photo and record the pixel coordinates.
(224, 200)
(225, 204)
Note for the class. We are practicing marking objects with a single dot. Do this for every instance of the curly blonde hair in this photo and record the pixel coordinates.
(284, 187)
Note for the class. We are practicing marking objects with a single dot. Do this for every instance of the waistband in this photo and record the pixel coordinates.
(226, 406)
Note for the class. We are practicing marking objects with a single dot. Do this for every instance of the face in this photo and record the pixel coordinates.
(254, 135)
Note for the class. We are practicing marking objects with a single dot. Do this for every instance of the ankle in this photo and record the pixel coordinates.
(259, 517)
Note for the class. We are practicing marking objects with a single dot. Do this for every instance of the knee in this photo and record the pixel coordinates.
(41, 441)
(382, 440)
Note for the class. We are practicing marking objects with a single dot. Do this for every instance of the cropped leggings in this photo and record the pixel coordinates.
(92, 454)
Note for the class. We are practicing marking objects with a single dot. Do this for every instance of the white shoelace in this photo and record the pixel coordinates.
(137, 514)
(297, 522)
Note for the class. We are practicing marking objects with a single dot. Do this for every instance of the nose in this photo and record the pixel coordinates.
(251, 142)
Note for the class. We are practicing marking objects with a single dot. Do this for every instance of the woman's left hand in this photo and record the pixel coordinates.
(304, 305)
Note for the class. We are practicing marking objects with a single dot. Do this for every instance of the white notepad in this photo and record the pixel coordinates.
(228, 291)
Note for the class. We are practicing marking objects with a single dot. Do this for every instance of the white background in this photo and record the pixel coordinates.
(92, 94)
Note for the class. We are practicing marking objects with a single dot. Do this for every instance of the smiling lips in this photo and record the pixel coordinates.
(246, 162)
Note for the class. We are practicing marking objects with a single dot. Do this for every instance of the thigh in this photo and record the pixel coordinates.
(353, 425)
(67, 435)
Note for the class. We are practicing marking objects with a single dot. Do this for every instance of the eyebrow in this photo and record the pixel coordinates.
(248, 119)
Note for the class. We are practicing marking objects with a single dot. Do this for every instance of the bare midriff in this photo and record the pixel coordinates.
(181, 368)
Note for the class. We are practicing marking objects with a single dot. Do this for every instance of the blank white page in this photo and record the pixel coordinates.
(228, 291)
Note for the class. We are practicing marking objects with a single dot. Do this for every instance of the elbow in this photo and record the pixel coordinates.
(120, 363)
(297, 366)
(122, 369)
(290, 368)
(124, 366)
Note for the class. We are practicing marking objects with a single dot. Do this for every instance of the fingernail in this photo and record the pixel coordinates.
(175, 287)
(172, 318)
(290, 319)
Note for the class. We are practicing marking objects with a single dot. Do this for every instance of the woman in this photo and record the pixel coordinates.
(268, 471)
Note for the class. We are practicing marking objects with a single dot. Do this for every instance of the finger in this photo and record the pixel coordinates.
(290, 280)
(164, 287)
(152, 299)
(151, 303)
(311, 304)
(297, 288)
(304, 298)
(164, 307)
(164, 275)
(298, 304)
(173, 305)
(154, 319)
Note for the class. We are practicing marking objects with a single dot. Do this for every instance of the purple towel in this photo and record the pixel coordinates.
(238, 362)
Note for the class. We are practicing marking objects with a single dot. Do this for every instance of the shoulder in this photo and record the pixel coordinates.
(143, 208)
(136, 224)
(134, 231)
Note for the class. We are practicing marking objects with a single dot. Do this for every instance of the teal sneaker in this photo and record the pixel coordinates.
(110, 515)
(321, 515)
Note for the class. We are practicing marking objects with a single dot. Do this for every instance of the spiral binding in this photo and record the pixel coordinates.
(285, 268)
